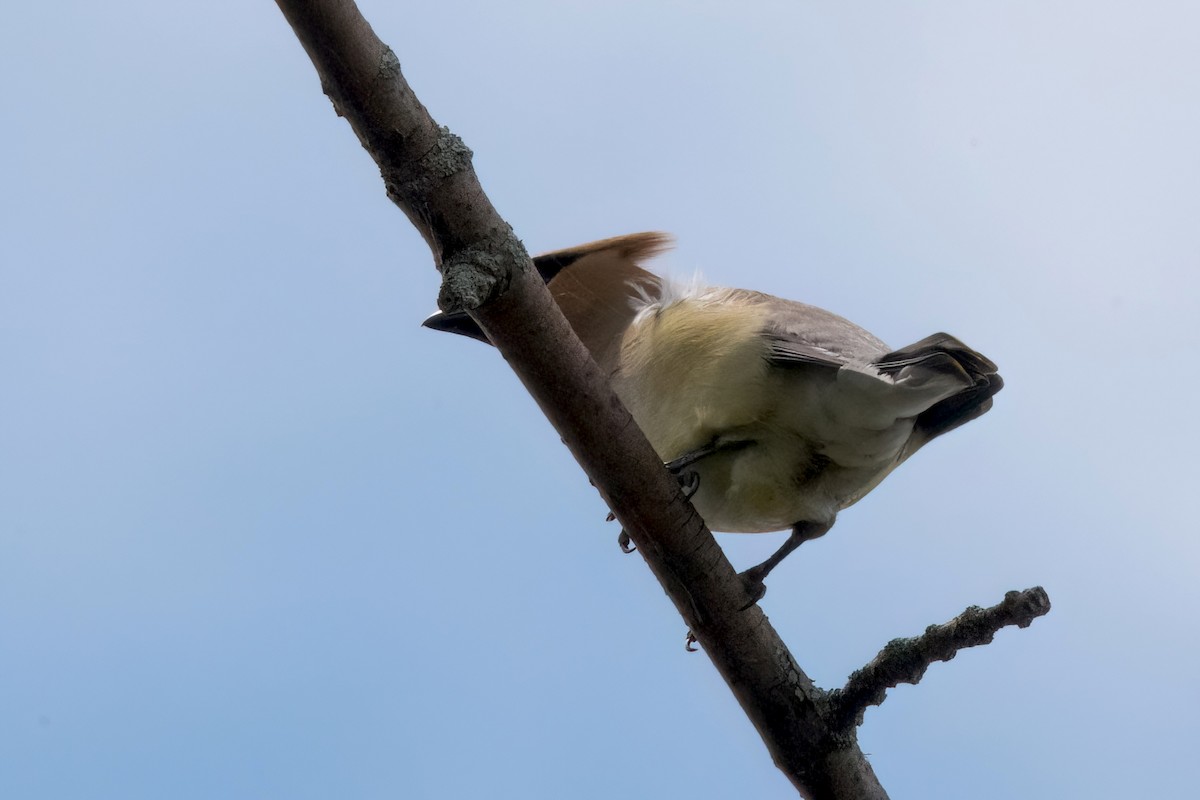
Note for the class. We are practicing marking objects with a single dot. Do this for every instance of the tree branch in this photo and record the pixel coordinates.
(485, 271)
(905, 660)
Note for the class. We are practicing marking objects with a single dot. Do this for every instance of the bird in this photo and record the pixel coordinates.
(774, 414)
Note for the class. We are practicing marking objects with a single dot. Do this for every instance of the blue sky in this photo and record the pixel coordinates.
(261, 535)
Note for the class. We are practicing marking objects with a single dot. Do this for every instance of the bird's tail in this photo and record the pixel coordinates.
(937, 358)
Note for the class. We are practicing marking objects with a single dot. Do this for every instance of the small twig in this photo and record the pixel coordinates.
(905, 660)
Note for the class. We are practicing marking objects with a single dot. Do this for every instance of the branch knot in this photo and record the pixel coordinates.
(409, 184)
(474, 275)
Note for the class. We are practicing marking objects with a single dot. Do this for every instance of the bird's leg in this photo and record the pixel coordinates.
(677, 465)
(753, 578)
(689, 480)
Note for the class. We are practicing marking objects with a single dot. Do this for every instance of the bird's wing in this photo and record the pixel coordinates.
(798, 335)
(859, 384)
(784, 351)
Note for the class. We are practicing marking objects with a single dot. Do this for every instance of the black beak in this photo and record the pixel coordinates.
(455, 322)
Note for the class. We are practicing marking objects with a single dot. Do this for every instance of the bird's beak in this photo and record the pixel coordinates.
(455, 322)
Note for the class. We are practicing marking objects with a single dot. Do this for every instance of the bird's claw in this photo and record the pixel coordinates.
(689, 479)
(625, 542)
(689, 641)
(689, 483)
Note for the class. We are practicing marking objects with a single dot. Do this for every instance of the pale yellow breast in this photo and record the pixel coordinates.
(693, 370)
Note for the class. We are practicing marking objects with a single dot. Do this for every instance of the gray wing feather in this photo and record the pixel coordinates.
(800, 334)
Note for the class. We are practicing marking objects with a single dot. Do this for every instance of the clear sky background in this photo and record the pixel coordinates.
(262, 536)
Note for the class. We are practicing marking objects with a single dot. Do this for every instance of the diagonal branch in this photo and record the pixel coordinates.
(905, 660)
(485, 271)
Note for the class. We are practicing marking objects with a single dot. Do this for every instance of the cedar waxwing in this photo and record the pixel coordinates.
(784, 412)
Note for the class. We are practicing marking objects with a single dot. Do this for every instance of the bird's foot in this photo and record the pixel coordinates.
(690, 479)
(689, 641)
(689, 482)
(625, 542)
(753, 582)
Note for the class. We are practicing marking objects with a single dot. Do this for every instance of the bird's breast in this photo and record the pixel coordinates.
(693, 371)
(695, 374)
